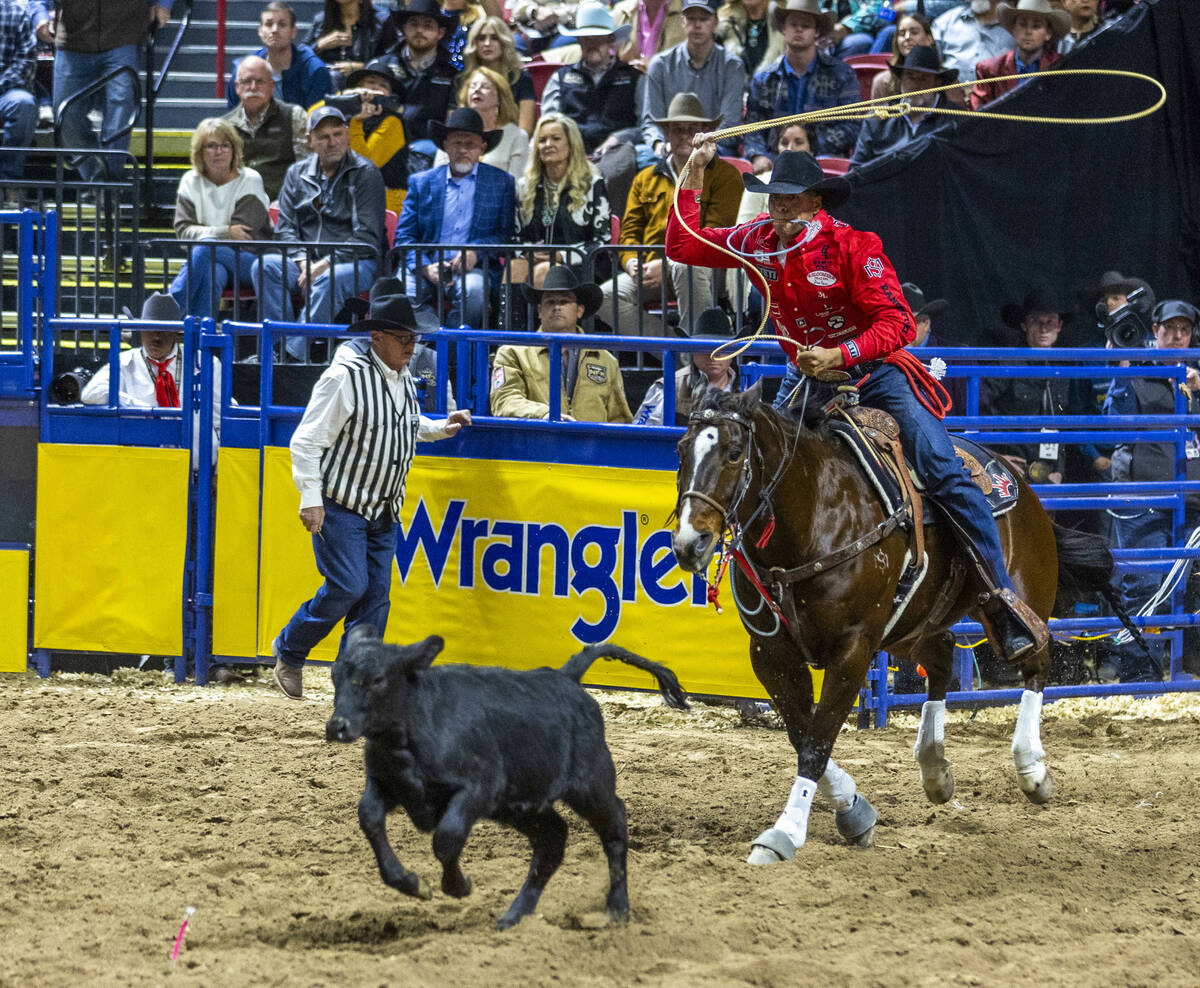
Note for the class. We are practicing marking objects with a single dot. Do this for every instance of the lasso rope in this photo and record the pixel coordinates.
(884, 107)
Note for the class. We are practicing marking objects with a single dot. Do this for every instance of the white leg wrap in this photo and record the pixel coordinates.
(930, 749)
(1027, 749)
(837, 786)
(793, 821)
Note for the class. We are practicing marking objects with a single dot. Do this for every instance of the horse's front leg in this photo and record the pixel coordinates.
(1032, 775)
(812, 733)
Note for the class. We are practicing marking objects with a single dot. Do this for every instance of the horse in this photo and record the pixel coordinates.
(790, 494)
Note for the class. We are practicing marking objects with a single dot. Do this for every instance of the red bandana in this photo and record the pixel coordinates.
(164, 384)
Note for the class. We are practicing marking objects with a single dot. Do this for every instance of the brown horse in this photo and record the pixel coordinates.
(744, 467)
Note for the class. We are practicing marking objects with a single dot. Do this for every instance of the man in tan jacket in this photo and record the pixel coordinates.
(592, 388)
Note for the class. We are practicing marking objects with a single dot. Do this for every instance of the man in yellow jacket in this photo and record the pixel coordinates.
(592, 387)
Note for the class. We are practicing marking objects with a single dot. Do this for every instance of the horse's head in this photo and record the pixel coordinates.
(714, 473)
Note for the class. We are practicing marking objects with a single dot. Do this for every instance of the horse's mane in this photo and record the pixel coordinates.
(750, 403)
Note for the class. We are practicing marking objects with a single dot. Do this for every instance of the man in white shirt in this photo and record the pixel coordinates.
(969, 34)
(350, 457)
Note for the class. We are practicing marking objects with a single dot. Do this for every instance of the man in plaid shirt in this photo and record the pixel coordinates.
(18, 108)
(803, 79)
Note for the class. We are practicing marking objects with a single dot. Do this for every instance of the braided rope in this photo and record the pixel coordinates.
(884, 107)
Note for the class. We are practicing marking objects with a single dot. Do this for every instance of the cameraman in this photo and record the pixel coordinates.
(1173, 327)
(371, 104)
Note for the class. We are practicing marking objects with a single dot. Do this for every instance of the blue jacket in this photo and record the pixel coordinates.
(305, 82)
(493, 222)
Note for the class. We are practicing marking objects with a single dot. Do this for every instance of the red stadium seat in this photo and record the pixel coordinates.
(867, 67)
(741, 164)
(834, 166)
(541, 73)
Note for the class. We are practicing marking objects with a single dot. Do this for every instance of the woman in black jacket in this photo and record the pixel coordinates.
(349, 33)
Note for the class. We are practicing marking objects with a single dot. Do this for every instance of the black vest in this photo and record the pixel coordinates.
(1156, 461)
(271, 151)
(599, 109)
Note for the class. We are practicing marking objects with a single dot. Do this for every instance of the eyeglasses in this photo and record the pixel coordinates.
(214, 146)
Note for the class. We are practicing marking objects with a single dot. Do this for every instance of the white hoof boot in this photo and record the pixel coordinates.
(857, 824)
(771, 847)
(1037, 784)
(1032, 775)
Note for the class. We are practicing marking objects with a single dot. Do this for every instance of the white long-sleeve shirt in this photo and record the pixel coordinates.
(328, 410)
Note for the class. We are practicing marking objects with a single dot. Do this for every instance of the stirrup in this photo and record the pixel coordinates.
(1011, 624)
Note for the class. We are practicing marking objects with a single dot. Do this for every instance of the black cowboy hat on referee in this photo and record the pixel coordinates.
(796, 172)
(466, 120)
(391, 310)
(924, 58)
(420, 8)
(561, 278)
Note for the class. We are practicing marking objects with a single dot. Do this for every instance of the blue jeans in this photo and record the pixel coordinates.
(931, 455)
(73, 71)
(854, 44)
(465, 302)
(356, 557)
(208, 272)
(18, 119)
(1149, 528)
(883, 40)
(328, 293)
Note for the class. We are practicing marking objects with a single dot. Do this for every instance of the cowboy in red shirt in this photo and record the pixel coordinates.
(835, 293)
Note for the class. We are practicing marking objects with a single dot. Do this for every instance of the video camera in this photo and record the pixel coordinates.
(351, 104)
(1127, 326)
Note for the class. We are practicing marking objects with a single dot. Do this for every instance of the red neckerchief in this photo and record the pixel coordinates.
(165, 391)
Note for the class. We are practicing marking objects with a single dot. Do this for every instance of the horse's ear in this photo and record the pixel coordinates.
(752, 396)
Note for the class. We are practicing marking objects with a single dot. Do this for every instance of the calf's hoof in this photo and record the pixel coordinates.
(940, 788)
(458, 886)
(410, 883)
(618, 914)
(857, 824)
(508, 921)
(1038, 787)
(771, 847)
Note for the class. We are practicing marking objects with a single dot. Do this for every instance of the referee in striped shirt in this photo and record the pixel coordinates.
(350, 457)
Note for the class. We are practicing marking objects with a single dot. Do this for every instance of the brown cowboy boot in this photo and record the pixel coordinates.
(1012, 626)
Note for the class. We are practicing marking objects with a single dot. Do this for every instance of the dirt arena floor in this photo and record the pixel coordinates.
(127, 800)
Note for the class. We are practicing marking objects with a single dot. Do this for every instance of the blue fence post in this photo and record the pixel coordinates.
(210, 342)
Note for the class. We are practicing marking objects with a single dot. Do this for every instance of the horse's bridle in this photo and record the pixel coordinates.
(711, 417)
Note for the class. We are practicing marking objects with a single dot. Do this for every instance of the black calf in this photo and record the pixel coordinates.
(457, 743)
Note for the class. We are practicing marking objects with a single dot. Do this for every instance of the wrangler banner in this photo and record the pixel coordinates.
(520, 564)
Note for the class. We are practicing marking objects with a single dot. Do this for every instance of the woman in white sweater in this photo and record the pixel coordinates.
(488, 94)
(218, 200)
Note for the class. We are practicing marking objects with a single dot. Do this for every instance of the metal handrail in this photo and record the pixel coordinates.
(154, 85)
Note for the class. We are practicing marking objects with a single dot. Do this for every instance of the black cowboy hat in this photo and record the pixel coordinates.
(796, 172)
(382, 66)
(924, 58)
(916, 301)
(1039, 299)
(1114, 281)
(464, 119)
(391, 310)
(420, 8)
(561, 278)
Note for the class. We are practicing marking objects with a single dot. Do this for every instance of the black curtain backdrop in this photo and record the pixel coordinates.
(981, 215)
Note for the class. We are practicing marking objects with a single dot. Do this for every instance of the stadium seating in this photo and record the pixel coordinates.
(867, 67)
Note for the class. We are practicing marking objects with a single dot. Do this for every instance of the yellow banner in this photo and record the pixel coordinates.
(111, 542)
(14, 610)
(235, 554)
(519, 564)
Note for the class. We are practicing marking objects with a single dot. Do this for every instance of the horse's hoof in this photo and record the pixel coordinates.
(940, 788)
(857, 824)
(1037, 790)
(771, 847)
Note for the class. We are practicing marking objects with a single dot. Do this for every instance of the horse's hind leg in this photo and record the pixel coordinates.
(936, 654)
(1032, 775)
(854, 815)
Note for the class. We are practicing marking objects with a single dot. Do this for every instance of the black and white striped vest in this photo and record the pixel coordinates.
(365, 469)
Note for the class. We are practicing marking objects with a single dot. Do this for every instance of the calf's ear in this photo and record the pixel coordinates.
(362, 632)
(423, 653)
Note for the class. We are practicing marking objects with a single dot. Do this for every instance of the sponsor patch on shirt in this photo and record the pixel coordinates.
(836, 322)
(572, 79)
(822, 278)
(873, 267)
(597, 373)
(497, 377)
(768, 272)
(852, 349)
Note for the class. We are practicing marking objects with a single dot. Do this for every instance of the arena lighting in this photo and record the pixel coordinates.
(67, 388)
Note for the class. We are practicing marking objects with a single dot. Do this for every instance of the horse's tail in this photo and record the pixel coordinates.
(1085, 567)
(580, 662)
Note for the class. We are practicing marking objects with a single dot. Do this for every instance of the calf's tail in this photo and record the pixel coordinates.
(580, 662)
(1085, 565)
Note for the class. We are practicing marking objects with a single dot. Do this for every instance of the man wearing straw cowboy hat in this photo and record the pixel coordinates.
(835, 294)
(883, 135)
(350, 458)
(645, 222)
(1036, 28)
